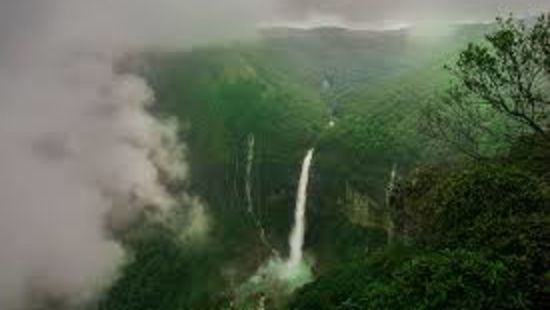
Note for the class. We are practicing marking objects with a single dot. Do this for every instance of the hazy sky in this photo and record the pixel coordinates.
(410, 10)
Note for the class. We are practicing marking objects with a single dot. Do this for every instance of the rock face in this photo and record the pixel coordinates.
(362, 210)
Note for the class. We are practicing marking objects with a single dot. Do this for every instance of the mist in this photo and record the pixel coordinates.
(79, 151)
(409, 11)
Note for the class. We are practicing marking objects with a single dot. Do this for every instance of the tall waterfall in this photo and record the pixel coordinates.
(298, 231)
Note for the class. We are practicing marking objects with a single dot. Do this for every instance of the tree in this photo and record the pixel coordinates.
(498, 209)
(500, 90)
(447, 279)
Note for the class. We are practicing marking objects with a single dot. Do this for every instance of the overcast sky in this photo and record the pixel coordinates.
(410, 10)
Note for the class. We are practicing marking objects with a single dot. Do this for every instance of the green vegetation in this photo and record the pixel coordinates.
(481, 231)
(453, 231)
(480, 227)
(501, 90)
(447, 279)
(163, 273)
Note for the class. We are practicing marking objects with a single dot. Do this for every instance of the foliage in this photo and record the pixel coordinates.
(490, 207)
(531, 153)
(226, 96)
(397, 279)
(344, 286)
(482, 233)
(501, 89)
(410, 213)
(271, 90)
(481, 227)
(448, 279)
(495, 208)
(162, 273)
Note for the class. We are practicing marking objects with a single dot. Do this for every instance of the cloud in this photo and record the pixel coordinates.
(409, 10)
(76, 141)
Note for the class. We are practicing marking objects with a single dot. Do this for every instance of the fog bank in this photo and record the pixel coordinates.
(78, 147)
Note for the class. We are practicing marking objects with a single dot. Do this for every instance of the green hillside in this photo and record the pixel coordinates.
(357, 98)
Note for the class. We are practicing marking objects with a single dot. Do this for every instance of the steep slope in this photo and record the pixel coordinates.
(286, 90)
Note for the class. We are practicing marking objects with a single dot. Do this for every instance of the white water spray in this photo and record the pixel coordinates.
(298, 231)
(278, 277)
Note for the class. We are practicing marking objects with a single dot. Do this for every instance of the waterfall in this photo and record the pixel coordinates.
(390, 191)
(391, 184)
(326, 84)
(248, 192)
(249, 163)
(277, 275)
(298, 231)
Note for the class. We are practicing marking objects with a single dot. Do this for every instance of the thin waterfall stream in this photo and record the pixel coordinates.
(248, 192)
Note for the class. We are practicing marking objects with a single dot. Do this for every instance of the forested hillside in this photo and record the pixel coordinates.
(395, 219)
